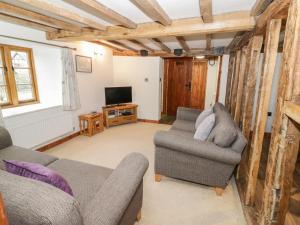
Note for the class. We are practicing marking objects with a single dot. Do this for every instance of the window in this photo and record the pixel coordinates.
(17, 77)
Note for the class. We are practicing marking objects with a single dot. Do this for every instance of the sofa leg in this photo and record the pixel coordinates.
(157, 177)
(219, 191)
(139, 215)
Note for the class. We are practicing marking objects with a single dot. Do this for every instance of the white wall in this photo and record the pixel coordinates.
(223, 81)
(134, 71)
(49, 76)
(211, 83)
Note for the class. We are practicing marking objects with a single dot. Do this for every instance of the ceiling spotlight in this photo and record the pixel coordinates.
(178, 51)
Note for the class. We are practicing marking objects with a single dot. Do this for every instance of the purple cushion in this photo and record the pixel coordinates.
(38, 172)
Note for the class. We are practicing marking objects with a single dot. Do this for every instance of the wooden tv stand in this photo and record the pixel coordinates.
(114, 115)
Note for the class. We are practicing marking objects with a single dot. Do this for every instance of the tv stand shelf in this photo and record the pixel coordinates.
(120, 114)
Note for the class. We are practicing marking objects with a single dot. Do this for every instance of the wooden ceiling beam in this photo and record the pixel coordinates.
(122, 45)
(225, 23)
(26, 23)
(20, 13)
(206, 10)
(99, 10)
(276, 10)
(50, 9)
(142, 45)
(260, 6)
(161, 45)
(113, 47)
(183, 43)
(152, 9)
(208, 41)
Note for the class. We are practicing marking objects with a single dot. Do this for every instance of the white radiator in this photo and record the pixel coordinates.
(36, 128)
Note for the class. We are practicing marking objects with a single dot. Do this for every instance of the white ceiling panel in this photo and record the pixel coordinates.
(178, 9)
(225, 6)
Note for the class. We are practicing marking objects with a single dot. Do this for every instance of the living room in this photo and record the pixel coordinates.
(147, 112)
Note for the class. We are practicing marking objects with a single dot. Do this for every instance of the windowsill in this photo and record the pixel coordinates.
(10, 112)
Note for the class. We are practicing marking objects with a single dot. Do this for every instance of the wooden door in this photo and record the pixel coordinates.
(184, 84)
(179, 84)
(199, 75)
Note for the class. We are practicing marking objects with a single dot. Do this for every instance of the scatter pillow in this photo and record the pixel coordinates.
(202, 116)
(205, 128)
(37, 172)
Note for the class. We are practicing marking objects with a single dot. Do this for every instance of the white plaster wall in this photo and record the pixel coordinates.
(211, 84)
(49, 77)
(133, 71)
(223, 81)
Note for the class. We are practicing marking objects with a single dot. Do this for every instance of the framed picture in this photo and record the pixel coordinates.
(83, 64)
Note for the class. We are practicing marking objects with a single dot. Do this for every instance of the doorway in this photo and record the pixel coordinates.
(184, 84)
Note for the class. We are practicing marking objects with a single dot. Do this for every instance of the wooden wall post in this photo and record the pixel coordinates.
(255, 49)
(285, 135)
(235, 81)
(229, 79)
(270, 53)
(240, 86)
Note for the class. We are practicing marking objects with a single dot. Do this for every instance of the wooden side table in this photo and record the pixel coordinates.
(91, 124)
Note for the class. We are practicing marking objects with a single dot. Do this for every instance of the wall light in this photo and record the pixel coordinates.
(98, 52)
(200, 57)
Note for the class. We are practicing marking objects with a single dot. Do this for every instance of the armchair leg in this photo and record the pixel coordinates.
(139, 215)
(219, 191)
(157, 177)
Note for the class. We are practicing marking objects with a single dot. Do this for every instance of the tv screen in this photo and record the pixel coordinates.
(118, 95)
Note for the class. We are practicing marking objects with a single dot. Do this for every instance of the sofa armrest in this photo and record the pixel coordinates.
(194, 147)
(184, 113)
(113, 198)
(5, 138)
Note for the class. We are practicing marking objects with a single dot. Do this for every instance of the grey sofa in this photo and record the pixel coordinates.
(102, 196)
(179, 155)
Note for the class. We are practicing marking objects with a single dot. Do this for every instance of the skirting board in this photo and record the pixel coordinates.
(58, 142)
(148, 121)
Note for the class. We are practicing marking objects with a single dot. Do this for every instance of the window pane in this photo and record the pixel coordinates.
(25, 92)
(2, 77)
(3, 94)
(22, 76)
(19, 59)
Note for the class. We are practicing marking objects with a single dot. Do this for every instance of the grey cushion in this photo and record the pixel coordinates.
(5, 139)
(111, 201)
(202, 116)
(84, 179)
(224, 131)
(240, 142)
(184, 125)
(31, 202)
(189, 114)
(205, 128)
(22, 154)
(194, 147)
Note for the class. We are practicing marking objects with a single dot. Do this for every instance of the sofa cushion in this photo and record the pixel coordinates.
(22, 154)
(224, 132)
(184, 125)
(84, 179)
(205, 128)
(5, 139)
(31, 202)
(240, 142)
(37, 172)
(202, 116)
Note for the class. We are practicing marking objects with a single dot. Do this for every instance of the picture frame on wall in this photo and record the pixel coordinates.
(83, 64)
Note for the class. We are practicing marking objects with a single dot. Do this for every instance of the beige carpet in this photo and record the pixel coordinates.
(170, 202)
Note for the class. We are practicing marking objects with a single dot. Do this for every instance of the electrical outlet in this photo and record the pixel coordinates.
(269, 113)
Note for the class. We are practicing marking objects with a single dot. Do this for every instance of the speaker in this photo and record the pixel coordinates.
(143, 52)
(178, 51)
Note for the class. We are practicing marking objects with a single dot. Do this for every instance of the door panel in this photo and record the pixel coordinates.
(184, 84)
(179, 79)
(199, 76)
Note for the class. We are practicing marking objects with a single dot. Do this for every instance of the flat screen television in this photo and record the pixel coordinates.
(118, 95)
